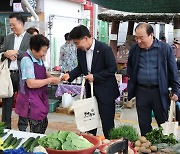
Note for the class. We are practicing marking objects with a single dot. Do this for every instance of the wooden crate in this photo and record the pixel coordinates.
(67, 110)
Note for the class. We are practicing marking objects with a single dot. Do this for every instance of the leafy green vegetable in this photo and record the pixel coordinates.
(54, 143)
(42, 141)
(156, 136)
(62, 135)
(64, 140)
(125, 131)
(71, 136)
(75, 142)
(67, 145)
(53, 135)
(81, 143)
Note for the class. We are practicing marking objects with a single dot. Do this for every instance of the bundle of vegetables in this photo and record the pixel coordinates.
(2, 127)
(10, 142)
(144, 146)
(30, 143)
(156, 136)
(64, 140)
(125, 131)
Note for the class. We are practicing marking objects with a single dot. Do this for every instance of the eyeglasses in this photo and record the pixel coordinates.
(14, 24)
(77, 42)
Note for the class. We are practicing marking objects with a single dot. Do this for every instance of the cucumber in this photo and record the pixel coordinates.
(3, 134)
(17, 143)
(10, 135)
(29, 145)
(8, 141)
(14, 141)
(27, 142)
(34, 144)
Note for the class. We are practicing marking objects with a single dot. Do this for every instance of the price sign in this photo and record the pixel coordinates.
(17, 7)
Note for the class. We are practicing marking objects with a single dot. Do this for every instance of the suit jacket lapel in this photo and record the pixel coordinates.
(11, 44)
(84, 62)
(24, 40)
(95, 56)
(136, 59)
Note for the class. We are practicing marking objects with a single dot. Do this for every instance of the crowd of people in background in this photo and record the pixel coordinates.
(149, 74)
(68, 55)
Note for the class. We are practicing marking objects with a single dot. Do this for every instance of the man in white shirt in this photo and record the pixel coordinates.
(14, 46)
(97, 62)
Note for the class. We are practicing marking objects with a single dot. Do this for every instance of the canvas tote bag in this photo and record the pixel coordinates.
(86, 111)
(170, 126)
(6, 89)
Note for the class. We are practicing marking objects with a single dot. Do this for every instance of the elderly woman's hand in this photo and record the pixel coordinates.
(55, 80)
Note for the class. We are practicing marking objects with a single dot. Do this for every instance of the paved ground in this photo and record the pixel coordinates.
(59, 121)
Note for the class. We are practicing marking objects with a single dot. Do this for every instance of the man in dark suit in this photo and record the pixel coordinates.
(152, 70)
(15, 45)
(96, 61)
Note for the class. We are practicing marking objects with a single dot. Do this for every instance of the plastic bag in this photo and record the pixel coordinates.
(67, 100)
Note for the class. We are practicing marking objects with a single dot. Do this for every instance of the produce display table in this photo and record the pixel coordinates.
(76, 89)
(72, 89)
(21, 134)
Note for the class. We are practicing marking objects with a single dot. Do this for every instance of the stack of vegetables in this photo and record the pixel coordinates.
(143, 144)
(156, 136)
(2, 127)
(10, 142)
(124, 131)
(30, 143)
(64, 140)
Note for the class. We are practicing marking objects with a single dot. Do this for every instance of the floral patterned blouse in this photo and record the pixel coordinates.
(68, 57)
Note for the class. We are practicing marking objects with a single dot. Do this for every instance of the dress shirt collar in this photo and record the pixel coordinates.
(92, 46)
(21, 35)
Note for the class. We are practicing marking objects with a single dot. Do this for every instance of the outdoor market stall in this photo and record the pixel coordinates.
(141, 6)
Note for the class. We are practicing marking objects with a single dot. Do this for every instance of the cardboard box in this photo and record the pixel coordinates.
(67, 110)
(131, 103)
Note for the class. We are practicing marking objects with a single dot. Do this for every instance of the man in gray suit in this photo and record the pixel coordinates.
(14, 46)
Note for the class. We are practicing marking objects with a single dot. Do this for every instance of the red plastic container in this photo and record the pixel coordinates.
(94, 140)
